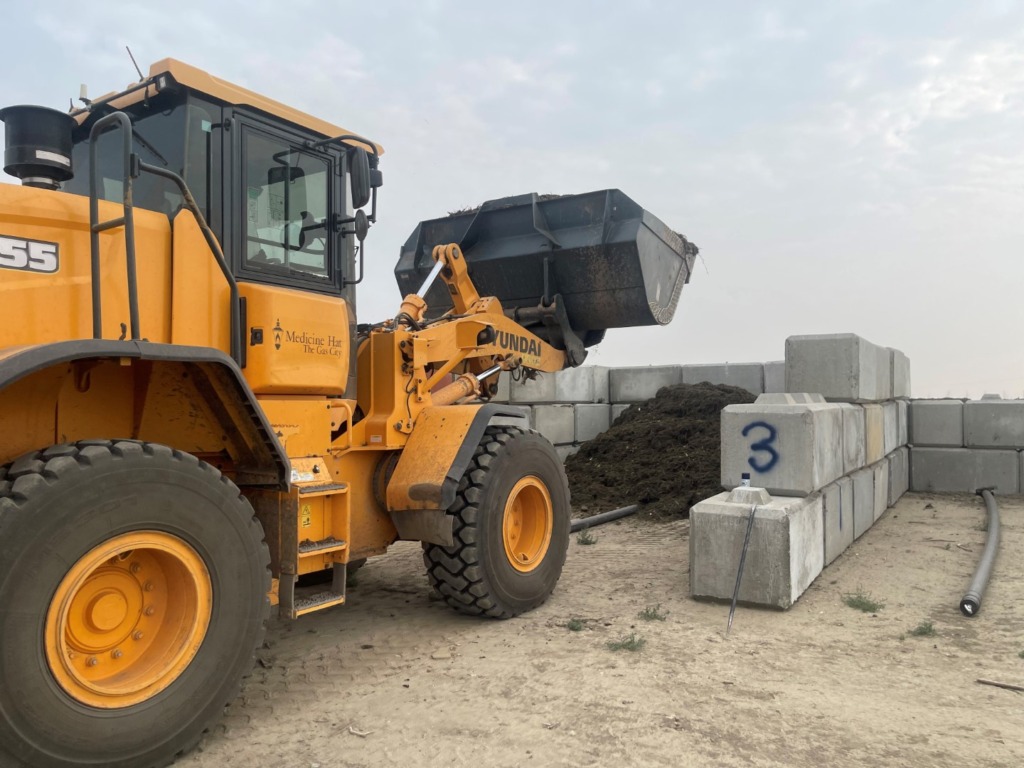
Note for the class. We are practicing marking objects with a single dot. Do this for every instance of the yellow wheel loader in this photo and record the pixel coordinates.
(194, 427)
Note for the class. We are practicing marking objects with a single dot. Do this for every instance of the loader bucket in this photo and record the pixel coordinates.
(613, 264)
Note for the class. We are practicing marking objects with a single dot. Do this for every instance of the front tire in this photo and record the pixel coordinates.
(133, 595)
(511, 528)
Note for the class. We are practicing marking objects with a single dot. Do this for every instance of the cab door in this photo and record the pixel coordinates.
(287, 255)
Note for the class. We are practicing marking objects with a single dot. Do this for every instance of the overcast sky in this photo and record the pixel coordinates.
(844, 167)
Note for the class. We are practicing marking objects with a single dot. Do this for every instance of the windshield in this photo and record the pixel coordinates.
(286, 207)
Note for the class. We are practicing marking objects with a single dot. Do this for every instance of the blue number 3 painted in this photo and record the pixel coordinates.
(763, 446)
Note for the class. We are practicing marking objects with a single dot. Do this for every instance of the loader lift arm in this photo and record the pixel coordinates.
(476, 336)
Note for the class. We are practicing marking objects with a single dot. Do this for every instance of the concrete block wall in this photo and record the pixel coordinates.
(959, 445)
(841, 448)
(597, 395)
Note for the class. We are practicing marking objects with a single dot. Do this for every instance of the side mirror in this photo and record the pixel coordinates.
(359, 176)
(362, 226)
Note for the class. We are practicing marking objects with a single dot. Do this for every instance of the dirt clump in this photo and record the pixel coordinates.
(664, 454)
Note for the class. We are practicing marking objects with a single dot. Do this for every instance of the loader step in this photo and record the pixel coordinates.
(321, 547)
(317, 602)
(314, 490)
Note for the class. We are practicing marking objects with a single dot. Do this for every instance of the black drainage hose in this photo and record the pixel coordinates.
(601, 519)
(970, 604)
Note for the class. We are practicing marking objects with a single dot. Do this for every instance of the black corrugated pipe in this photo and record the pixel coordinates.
(970, 604)
(604, 517)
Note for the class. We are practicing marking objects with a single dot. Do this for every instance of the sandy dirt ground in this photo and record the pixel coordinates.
(396, 678)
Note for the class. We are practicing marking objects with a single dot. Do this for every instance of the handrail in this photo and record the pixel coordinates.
(211, 241)
(127, 220)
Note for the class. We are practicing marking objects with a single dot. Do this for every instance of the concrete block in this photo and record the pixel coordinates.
(792, 450)
(504, 393)
(843, 367)
(599, 375)
(632, 385)
(899, 474)
(785, 553)
(775, 376)
(591, 420)
(902, 421)
(565, 451)
(890, 427)
(587, 384)
(899, 372)
(617, 410)
(904, 476)
(881, 472)
(556, 422)
(874, 433)
(994, 424)
(837, 517)
(964, 469)
(527, 411)
(854, 438)
(789, 398)
(748, 376)
(863, 500)
(538, 390)
(936, 423)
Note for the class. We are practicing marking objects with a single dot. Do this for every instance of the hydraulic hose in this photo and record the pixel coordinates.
(970, 604)
(601, 519)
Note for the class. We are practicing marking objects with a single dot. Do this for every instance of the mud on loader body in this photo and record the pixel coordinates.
(193, 426)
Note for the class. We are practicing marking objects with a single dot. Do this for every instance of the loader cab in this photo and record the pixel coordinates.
(280, 208)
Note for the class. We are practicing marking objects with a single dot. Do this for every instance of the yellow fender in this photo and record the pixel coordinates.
(426, 478)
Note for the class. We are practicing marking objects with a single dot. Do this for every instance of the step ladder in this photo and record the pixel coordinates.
(322, 525)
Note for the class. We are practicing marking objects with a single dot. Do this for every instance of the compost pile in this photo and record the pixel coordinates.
(664, 454)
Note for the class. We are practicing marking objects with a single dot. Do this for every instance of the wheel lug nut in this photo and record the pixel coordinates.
(71, 654)
(92, 662)
(135, 567)
(137, 635)
(116, 653)
(148, 586)
(150, 610)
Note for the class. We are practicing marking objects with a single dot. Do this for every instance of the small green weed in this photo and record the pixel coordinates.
(574, 625)
(924, 629)
(862, 601)
(631, 643)
(1021, 655)
(585, 537)
(652, 613)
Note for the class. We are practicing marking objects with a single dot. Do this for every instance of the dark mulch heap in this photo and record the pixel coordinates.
(664, 454)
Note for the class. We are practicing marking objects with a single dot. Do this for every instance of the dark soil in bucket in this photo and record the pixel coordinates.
(664, 454)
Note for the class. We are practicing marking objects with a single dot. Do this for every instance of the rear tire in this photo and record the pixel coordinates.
(511, 528)
(97, 539)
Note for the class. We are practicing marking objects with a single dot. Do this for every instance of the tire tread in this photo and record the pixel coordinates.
(456, 573)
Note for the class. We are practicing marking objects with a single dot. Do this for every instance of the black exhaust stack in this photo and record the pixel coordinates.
(37, 148)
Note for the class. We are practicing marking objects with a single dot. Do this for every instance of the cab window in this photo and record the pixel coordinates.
(286, 199)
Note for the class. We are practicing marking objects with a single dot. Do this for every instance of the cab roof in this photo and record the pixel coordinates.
(203, 82)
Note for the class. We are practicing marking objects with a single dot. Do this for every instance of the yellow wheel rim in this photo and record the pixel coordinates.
(127, 619)
(526, 524)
